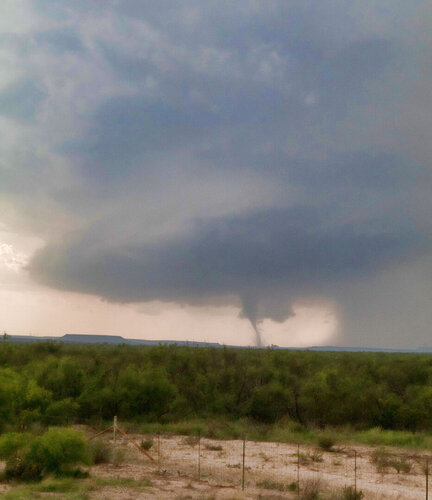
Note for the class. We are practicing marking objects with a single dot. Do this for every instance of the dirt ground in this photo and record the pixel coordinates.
(267, 466)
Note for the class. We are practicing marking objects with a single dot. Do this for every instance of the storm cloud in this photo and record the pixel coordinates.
(255, 154)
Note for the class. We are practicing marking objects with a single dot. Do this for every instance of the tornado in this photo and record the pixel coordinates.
(250, 311)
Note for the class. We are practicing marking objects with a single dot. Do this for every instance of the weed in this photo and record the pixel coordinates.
(191, 440)
(292, 486)
(100, 451)
(212, 447)
(326, 442)
(401, 464)
(146, 444)
(381, 458)
(349, 493)
(310, 490)
(269, 484)
(306, 458)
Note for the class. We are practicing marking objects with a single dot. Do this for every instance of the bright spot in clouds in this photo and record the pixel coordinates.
(11, 259)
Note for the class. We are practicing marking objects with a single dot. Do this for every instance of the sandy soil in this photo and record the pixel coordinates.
(176, 474)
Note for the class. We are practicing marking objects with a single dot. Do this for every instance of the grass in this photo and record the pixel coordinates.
(125, 482)
(70, 489)
(58, 489)
(269, 484)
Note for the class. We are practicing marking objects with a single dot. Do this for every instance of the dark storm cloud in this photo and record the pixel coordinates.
(257, 151)
(291, 251)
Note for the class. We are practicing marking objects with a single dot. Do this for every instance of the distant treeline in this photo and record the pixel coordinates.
(55, 383)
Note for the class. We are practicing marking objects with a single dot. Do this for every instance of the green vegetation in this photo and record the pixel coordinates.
(349, 493)
(384, 459)
(385, 399)
(56, 452)
(269, 484)
(326, 442)
(147, 444)
(71, 489)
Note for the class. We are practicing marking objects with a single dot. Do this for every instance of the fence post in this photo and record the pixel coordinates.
(355, 472)
(243, 463)
(199, 455)
(298, 470)
(115, 440)
(158, 452)
(427, 478)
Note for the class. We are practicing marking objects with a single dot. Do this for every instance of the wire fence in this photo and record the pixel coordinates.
(245, 464)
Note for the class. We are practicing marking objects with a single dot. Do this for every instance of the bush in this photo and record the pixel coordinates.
(11, 442)
(269, 484)
(381, 458)
(326, 443)
(52, 453)
(21, 468)
(349, 493)
(146, 444)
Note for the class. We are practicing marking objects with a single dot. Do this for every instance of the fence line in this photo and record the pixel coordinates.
(354, 464)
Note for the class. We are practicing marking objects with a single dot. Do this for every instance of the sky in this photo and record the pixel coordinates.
(237, 172)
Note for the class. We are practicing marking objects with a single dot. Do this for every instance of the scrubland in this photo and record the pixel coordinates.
(364, 412)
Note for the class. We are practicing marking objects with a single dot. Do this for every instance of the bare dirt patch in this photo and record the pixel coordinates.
(270, 467)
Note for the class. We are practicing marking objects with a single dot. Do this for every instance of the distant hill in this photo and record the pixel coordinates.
(72, 338)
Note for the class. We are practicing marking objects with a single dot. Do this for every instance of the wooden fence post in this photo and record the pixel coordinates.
(355, 473)
(243, 463)
(115, 440)
(298, 470)
(158, 451)
(199, 455)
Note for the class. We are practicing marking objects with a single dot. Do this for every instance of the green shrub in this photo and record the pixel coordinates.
(59, 448)
(326, 443)
(51, 453)
(381, 458)
(20, 467)
(292, 486)
(146, 444)
(269, 484)
(11, 442)
(349, 493)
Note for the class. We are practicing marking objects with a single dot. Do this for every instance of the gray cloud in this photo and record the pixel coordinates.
(21, 100)
(60, 41)
(292, 252)
(258, 152)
